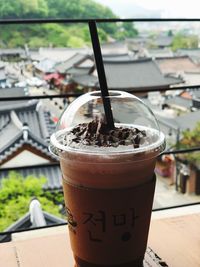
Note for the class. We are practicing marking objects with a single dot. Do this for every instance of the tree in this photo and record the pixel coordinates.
(182, 41)
(170, 33)
(62, 34)
(129, 29)
(16, 192)
(23, 9)
(191, 139)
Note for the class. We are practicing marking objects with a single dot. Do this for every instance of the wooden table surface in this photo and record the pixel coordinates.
(176, 240)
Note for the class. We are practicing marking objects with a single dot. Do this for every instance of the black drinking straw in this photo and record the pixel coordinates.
(101, 74)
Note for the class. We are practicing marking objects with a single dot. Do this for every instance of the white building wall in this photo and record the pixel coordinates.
(25, 158)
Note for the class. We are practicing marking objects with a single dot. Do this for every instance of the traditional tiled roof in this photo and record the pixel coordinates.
(136, 74)
(183, 122)
(75, 60)
(20, 140)
(12, 92)
(135, 44)
(118, 57)
(46, 65)
(79, 71)
(163, 41)
(16, 51)
(188, 120)
(86, 80)
(117, 47)
(129, 75)
(59, 54)
(179, 101)
(177, 65)
(51, 172)
(193, 53)
(14, 137)
(196, 93)
(159, 52)
(28, 112)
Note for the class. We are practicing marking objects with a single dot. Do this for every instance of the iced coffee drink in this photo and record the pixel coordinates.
(108, 178)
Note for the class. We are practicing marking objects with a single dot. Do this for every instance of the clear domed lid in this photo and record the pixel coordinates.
(128, 111)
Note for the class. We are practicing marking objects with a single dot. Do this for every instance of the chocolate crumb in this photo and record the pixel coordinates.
(96, 133)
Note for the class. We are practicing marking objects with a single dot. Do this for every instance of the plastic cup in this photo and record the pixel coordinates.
(108, 190)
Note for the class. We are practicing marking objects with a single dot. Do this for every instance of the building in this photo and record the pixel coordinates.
(12, 55)
(128, 75)
(25, 128)
(162, 41)
(177, 65)
(36, 217)
(159, 53)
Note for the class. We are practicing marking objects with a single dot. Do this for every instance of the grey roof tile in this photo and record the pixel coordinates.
(163, 40)
(78, 71)
(86, 80)
(117, 57)
(71, 62)
(179, 101)
(135, 74)
(18, 141)
(189, 120)
(129, 75)
(51, 172)
(37, 119)
(183, 122)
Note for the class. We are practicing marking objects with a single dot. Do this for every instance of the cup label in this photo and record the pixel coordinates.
(100, 219)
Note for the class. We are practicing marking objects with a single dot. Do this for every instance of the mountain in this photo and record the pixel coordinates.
(128, 9)
(63, 35)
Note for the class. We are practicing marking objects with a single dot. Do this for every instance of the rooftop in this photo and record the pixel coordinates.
(51, 172)
(177, 65)
(36, 217)
(129, 75)
(73, 61)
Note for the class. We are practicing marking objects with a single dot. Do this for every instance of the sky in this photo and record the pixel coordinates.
(168, 8)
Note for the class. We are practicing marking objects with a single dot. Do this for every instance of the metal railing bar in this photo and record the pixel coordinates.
(176, 206)
(98, 20)
(181, 151)
(15, 98)
(62, 224)
(76, 95)
(52, 164)
(30, 229)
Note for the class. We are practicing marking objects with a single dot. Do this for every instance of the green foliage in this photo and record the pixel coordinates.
(126, 30)
(16, 193)
(191, 139)
(182, 41)
(79, 9)
(170, 33)
(38, 35)
(129, 30)
(23, 9)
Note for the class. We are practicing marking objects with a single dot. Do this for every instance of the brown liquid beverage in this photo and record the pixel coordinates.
(108, 179)
(109, 202)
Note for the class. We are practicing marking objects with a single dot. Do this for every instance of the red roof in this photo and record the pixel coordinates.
(186, 95)
(51, 76)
